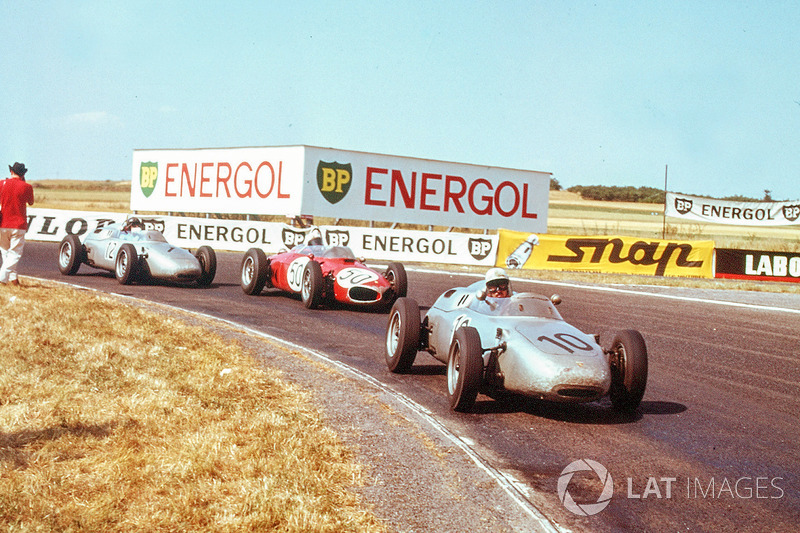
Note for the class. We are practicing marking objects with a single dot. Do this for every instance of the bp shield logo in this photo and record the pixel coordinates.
(292, 238)
(791, 212)
(337, 237)
(333, 180)
(479, 248)
(682, 205)
(148, 175)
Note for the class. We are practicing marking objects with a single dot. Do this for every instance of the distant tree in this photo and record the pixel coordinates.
(555, 185)
(648, 195)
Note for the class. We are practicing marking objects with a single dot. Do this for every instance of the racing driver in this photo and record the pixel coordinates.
(497, 283)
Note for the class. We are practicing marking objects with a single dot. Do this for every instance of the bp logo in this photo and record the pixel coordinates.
(337, 237)
(683, 206)
(148, 175)
(333, 180)
(585, 509)
(292, 238)
(791, 212)
(479, 248)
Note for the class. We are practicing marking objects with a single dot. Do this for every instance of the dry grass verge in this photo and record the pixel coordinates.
(113, 418)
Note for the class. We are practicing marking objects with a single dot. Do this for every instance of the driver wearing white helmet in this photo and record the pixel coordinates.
(497, 283)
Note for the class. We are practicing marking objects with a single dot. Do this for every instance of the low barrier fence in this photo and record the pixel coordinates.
(509, 249)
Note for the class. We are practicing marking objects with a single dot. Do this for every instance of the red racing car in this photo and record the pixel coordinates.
(323, 274)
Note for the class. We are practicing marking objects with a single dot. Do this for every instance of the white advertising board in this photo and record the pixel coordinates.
(344, 184)
(735, 213)
(240, 235)
(219, 180)
(340, 184)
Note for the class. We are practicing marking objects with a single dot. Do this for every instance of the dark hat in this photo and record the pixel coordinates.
(18, 169)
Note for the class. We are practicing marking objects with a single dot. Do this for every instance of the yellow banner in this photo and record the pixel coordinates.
(606, 254)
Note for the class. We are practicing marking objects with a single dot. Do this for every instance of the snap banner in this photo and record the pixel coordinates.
(605, 254)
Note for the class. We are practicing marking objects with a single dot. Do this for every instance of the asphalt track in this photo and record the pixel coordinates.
(713, 447)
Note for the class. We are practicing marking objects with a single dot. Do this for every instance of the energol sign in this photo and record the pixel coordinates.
(340, 184)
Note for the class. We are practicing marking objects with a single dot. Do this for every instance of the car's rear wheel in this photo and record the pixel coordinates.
(70, 255)
(125, 266)
(402, 335)
(396, 275)
(464, 368)
(208, 265)
(628, 370)
(255, 271)
(312, 286)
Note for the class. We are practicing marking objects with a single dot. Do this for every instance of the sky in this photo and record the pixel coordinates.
(597, 93)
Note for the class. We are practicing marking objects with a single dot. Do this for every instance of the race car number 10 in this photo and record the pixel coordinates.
(568, 343)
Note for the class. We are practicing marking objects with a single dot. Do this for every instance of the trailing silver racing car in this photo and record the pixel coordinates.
(133, 253)
(519, 344)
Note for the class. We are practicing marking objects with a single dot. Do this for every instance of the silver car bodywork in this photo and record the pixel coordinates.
(154, 256)
(537, 353)
(519, 344)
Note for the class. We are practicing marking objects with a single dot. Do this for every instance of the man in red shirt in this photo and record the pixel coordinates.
(15, 197)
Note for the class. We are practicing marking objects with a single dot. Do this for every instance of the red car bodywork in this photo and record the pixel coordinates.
(342, 277)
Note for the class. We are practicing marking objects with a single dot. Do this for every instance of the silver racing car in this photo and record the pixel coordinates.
(132, 253)
(519, 344)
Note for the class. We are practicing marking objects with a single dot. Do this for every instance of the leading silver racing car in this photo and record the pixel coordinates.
(519, 344)
(132, 252)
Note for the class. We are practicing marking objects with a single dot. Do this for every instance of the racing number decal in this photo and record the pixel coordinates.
(294, 275)
(567, 342)
(351, 277)
(111, 250)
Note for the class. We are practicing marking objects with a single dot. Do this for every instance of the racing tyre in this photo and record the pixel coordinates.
(402, 335)
(70, 255)
(396, 275)
(125, 266)
(464, 368)
(628, 370)
(312, 287)
(208, 264)
(255, 271)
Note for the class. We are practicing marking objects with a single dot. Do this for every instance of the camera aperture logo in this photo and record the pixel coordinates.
(585, 509)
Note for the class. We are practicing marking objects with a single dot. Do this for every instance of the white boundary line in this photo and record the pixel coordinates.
(506, 482)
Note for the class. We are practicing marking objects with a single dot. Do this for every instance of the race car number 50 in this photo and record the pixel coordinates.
(294, 275)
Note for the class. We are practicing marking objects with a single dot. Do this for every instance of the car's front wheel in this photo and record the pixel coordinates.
(70, 255)
(313, 285)
(125, 266)
(396, 275)
(402, 335)
(464, 368)
(628, 361)
(208, 265)
(255, 271)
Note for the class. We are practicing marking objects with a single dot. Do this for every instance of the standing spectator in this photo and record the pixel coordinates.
(15, 197)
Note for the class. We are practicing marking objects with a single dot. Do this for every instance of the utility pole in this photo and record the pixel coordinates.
(664, 217)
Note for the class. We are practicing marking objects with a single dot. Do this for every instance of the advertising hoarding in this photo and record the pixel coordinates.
(339, 184)
(757, 265)
(386, 188)
(606, 254)
(714, 211)
(240, 235)
(218, 180)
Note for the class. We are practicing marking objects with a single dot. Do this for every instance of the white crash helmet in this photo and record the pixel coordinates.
(495, 275)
